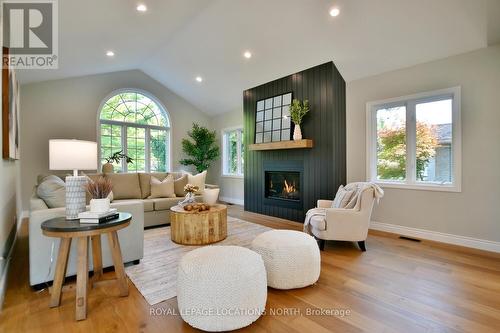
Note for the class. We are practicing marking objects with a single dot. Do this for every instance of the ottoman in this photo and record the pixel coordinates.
(291, 258)
(221, 288)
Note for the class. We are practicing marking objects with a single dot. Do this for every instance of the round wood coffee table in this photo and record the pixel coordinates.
(198, 228)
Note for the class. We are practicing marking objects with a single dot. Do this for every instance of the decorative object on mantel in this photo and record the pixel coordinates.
(116, 157)
(10, 112)
(272, 119)
(190, 191)
(292, 144)
(298, 110)
(210, 195)
(73, 155)
(99, 191)
(203, 150)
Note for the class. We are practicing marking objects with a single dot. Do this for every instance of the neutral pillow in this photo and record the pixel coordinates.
(162, 189)
(52, 190)
(125, 185)
(342, 197)
(145, 181)
(197, 180)
(179, 184)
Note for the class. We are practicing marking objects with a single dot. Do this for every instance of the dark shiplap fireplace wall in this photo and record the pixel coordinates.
(324, 166)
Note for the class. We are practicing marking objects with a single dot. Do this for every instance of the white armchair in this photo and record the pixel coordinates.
(344, 224)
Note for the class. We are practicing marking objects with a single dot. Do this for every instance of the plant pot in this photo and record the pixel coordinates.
(297, 133)
(99, 205)
(210, 196)
(107, 168)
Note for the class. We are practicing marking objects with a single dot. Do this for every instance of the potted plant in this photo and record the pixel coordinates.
(115, 157)
(202, 150)
(99, 191)
(298, 110)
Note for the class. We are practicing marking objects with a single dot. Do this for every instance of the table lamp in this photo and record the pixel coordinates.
(73, 155)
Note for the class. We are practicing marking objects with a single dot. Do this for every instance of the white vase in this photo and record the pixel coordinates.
(297, 133)
(210, 196)
(99, 205)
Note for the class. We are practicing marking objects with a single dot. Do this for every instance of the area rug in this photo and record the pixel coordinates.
(156, 275)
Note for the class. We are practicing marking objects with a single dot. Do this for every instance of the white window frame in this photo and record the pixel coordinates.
(410, 101)
(147, 128)
(225, 155)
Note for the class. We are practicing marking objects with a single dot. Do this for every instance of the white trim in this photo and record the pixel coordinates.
(163, 109)
(410, 101)
(233, 176)
(232, 200)
(475, 243)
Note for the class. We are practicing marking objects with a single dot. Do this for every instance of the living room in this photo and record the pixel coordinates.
(267, 166)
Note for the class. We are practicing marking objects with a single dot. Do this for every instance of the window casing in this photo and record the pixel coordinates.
(414, 142)
(233, 151)
(135, 122)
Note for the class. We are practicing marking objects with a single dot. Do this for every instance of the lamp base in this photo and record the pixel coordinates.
(75, 196)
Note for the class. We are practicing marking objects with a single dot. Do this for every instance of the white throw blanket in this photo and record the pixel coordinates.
(360, 187)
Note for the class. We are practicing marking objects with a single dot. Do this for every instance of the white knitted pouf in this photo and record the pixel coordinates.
(291, 258)
(221, 288)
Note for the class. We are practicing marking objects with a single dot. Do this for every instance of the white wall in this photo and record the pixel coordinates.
(68, 109)
(232, 188)
(475, 212)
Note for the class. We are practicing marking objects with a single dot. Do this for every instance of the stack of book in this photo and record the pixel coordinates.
(90, 217)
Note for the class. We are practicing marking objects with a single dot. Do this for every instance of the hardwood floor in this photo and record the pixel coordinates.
(396, 286)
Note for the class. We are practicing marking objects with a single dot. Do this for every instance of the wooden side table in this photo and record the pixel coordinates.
(198, 228)
(66, 230)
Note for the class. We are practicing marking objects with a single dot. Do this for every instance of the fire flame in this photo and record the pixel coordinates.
(289, 188)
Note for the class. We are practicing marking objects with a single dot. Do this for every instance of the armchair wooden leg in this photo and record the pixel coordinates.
(362, 246)
(321, 244)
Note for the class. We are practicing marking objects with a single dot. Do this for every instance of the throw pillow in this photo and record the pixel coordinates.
(179, 184)
(342, 197)
(197, 180)
(52, 190)
(162, 189)
(125, 185)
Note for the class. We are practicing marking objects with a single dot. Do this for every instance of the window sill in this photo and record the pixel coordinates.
(233, 176)
(420, 187)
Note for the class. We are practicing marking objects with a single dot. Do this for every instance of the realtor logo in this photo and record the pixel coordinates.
(30, 34)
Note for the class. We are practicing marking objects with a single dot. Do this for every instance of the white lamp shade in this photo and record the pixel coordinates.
(72, 155)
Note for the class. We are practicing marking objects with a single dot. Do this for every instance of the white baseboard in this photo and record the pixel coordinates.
(233, 200)
(475, 243)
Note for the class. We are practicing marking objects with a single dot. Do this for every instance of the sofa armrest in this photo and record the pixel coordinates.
(324, 203)
(211, 186)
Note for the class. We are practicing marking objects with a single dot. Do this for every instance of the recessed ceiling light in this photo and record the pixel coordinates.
(199, 79)
(247, 54)
(141, 7)
(110, 53)
(334, 12)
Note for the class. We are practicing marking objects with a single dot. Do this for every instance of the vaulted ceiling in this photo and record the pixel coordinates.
(176, 40)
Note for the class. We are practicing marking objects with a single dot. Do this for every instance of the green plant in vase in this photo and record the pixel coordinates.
(298, 110)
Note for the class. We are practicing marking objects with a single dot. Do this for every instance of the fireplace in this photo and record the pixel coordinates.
(283, 183)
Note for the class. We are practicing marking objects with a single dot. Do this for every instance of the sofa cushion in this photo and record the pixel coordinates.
(179, 184)
(165, 203)
(52, 190)
(145, 181)
(125, 185)
(162, 189)
(197, 180)
(148, 203)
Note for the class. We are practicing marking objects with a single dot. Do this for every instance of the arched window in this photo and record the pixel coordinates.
(136, 123)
